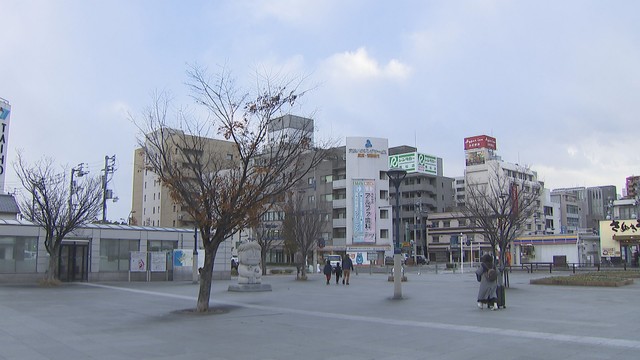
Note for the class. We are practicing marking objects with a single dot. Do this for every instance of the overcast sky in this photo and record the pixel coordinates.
(556, 82)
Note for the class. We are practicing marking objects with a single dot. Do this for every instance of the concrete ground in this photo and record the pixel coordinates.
(436, 319)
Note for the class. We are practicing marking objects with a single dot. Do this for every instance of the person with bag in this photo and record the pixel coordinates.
(487, 275)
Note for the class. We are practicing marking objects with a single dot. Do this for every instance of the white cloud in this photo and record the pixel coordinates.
(359, 65)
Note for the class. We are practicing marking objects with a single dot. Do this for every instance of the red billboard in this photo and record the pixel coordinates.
(479, 142)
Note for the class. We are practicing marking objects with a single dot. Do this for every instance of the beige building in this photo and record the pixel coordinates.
(152, 204)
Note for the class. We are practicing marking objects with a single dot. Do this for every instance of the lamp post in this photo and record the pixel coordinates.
(195, 255)
(396, 175)
(461, 255)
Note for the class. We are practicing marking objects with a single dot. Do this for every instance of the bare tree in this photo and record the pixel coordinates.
(267, 236)
(227, 186)
(501, 207)
(303, 226)
(56, 204)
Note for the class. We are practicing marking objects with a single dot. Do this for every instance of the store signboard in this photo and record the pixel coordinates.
(415, 162)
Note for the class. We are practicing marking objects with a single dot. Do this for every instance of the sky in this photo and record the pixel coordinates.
(557, 83)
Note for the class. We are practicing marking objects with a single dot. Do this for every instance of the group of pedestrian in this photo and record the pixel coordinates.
(343, 271)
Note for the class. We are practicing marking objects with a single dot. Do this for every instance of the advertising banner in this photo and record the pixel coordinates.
(158, 261)
(364, 212)
(5, 115)
(138, 261)
(480, 142)
(415, 162)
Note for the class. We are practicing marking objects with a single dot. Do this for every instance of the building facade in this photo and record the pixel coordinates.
(103, 252)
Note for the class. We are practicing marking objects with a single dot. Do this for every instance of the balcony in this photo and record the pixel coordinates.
(340, 222)
(340, 184)
(340, 203)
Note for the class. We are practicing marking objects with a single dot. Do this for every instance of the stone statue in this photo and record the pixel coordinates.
(249, 270)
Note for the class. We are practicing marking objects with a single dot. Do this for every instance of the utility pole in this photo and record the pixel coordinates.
(73, 188)
(109, 168)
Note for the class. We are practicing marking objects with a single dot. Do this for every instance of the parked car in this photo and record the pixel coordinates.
(388, 260)
(333, 259)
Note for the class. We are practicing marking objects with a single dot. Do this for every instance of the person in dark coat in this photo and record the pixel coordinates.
(347, 266)
(338, 271)
(328, 269)
(488, 283)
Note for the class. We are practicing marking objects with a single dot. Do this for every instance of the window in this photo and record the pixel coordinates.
(327, 197)
(384, 233)
(572, 209)
(446, 223)
(159, 245)
(229, 157)
(18, 254)
(384, 214)
(436, 238)
(311, 199)
(115, 254)
(310, 181)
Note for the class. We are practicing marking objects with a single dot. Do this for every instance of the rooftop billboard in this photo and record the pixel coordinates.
(415, 162)
(480, 142)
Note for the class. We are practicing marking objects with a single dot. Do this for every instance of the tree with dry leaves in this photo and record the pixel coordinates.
(502, 206)
(57, 204)
(226, 184)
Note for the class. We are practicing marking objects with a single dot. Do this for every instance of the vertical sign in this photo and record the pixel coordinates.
(364, 211)
(5, 114)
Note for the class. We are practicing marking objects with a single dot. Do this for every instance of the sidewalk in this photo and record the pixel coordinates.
(436, 319)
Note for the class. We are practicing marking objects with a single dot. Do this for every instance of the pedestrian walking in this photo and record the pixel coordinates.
(487, 275)
(327, 271)
(338, 271)
(347, 266)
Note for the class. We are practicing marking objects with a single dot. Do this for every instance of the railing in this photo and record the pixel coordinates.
(539, 266)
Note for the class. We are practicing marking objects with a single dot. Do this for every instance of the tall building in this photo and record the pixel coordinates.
(424, 191)
(355, 181)
(583, 207)
(632, 186)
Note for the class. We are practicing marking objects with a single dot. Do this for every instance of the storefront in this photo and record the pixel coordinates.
(620, 241)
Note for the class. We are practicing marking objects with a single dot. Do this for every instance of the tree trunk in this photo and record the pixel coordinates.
(204, 294)
(263, 263)
(52, 272)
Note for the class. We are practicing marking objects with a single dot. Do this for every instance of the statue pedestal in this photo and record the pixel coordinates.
(249, 287)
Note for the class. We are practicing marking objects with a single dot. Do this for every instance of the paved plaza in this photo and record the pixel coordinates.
(436, 319)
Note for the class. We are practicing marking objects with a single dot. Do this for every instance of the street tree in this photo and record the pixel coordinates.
(303, 225)
(225, 185)
(502, 207)
(56, 203)
(267, 235)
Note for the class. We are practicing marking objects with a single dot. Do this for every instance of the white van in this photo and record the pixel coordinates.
(333, 260)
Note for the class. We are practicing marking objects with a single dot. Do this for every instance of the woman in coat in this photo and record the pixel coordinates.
(488, 278)
(327, 271)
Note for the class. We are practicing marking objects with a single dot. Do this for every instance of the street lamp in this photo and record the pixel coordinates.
(196, 273)
(396, 175)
